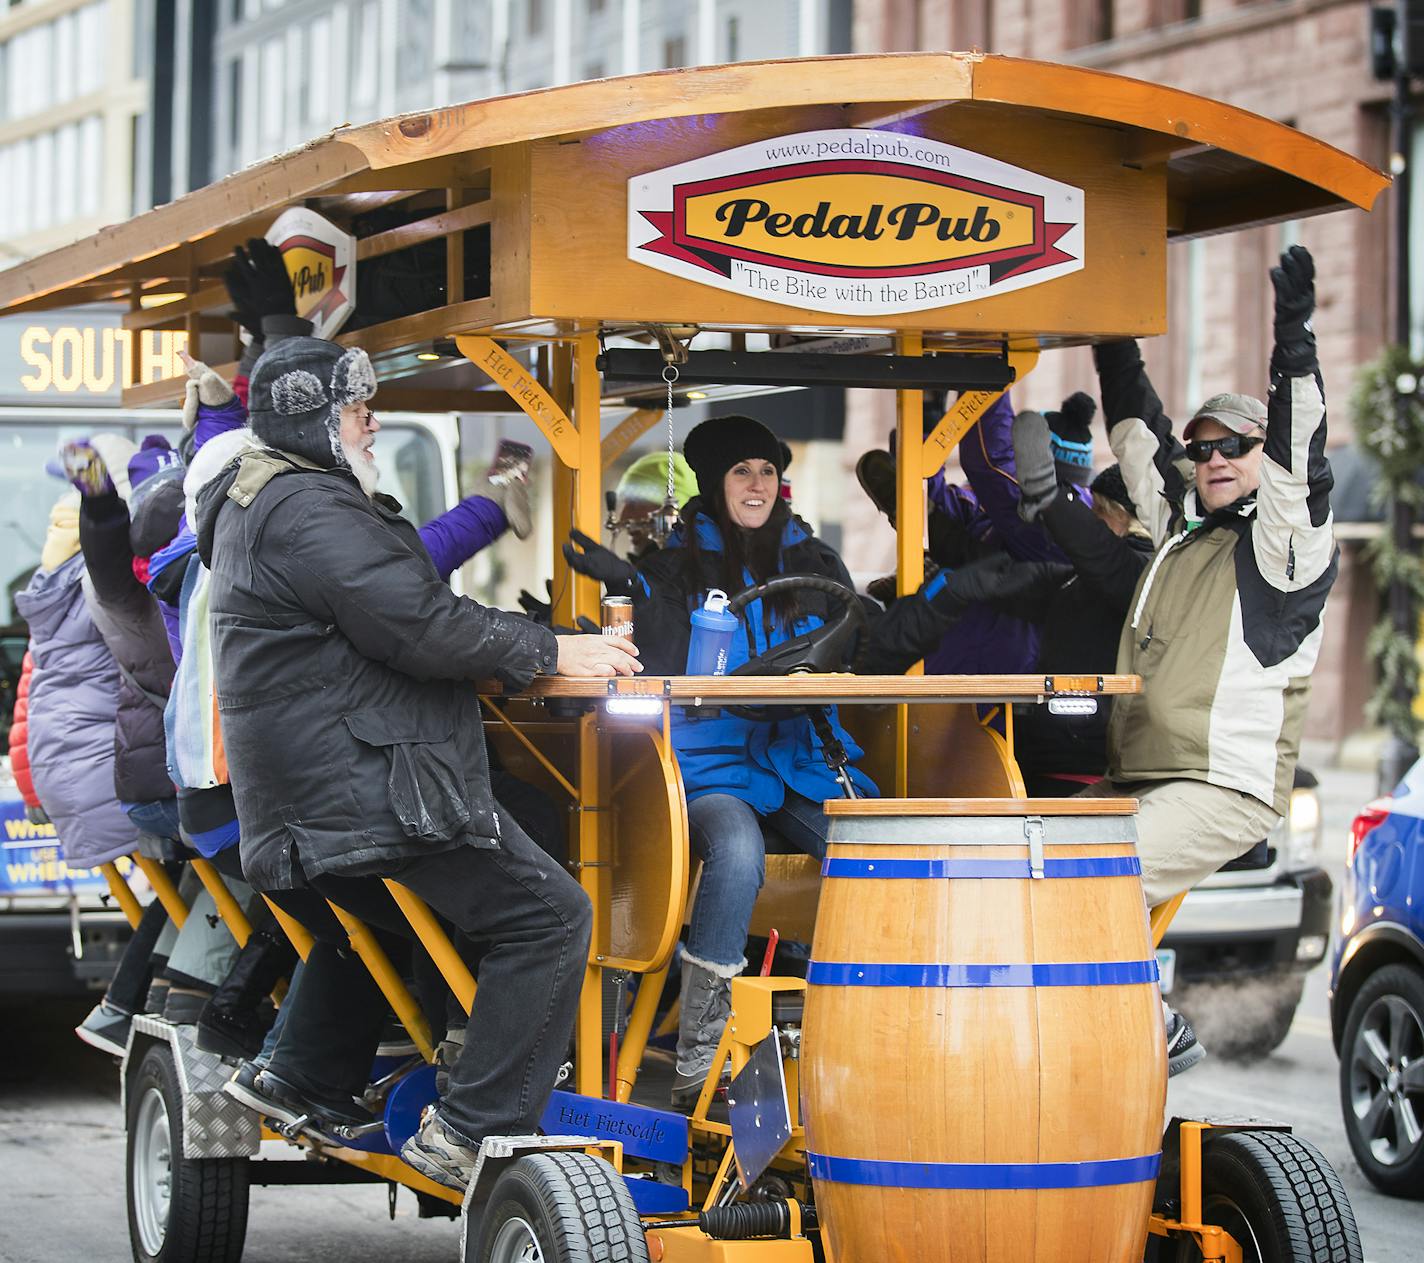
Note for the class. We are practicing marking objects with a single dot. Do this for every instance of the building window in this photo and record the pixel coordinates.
(1169, 12)
(534, 17)
(594, 70)
(675, 51)
(1089, 22)
(733, 40)
(596, 6)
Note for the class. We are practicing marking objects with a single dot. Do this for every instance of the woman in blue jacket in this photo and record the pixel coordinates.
(741, 777)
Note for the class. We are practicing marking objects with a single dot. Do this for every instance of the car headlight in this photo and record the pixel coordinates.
(1303, 826)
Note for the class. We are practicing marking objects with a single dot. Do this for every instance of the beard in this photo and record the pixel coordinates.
(367, 475)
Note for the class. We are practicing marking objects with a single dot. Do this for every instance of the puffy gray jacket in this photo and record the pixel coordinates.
(74, 694)
(345, 673)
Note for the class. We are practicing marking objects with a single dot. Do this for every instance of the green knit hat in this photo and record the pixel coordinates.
(645, 480)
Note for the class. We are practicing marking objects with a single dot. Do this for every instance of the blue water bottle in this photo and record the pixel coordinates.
(712, 631)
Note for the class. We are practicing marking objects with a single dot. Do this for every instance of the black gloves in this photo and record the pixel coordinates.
(1294, 282)
(597, 562)
(1033, 464)
(998, 581)
(258, 284)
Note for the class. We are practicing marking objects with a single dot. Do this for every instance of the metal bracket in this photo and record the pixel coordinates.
(673, 350)
(1034, 832)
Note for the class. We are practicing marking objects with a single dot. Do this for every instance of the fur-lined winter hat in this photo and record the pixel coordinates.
(298, 390)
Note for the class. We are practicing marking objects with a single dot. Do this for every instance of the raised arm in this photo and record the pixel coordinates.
(1152, 460)
(1293, 539)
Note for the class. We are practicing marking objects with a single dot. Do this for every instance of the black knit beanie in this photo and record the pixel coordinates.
(297, 392)
(1110, 486)
(713, 447)
(1072, 438)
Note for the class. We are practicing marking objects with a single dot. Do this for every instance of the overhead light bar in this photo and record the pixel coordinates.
(790, 368)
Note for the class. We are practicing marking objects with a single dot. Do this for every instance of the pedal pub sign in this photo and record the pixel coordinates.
(856, 222)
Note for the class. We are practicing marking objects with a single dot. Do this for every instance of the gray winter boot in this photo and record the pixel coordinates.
(706, 1003)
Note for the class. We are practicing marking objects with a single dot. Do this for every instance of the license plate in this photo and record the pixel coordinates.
(1167, 967)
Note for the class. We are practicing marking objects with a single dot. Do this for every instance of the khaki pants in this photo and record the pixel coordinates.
(1186, 830)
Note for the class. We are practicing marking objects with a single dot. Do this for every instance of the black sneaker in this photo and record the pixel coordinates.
(1183, 1048)
(233, 1036)
(157, 997)
(184, 1005)
(106, 1028)
(242, 1087)
(295, 1104)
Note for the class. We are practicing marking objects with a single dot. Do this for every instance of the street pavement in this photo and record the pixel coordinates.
(62, 1140)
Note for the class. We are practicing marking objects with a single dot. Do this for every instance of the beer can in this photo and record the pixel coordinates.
(618, 616)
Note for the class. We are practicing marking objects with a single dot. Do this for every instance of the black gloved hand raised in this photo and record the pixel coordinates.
(1294, 283)
(998, 581)
(258, 284)
(598, 562)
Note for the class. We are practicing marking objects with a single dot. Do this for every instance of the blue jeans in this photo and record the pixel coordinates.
(728, 836)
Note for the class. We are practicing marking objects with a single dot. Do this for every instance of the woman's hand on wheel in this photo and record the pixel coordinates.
(585, 656)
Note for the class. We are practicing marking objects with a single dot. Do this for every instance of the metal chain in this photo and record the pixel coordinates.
(670, 375)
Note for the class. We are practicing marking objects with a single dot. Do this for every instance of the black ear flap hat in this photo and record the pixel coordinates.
(297, 391)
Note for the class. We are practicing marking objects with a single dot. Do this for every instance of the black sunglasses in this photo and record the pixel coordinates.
(1229, 445)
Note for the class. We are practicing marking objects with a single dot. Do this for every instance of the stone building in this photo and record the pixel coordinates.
(1302, 62)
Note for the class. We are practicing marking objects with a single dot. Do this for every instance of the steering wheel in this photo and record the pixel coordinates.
(823, 648)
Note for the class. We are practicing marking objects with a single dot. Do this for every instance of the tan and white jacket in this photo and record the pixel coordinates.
(1226, 623)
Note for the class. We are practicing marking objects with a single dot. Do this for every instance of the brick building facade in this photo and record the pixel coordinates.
(1302, 62)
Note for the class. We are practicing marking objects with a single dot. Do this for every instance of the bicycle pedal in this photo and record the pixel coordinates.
(358, 1131)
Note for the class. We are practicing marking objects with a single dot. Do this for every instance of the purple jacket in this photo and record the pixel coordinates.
(74, 698)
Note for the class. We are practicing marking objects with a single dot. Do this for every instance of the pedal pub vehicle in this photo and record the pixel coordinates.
(973, 1069)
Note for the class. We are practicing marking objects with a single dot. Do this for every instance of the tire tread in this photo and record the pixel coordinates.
(1310, 1206)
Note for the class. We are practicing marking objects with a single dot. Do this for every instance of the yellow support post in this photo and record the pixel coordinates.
(586, 490)
(1161, 917)
(228, 907)
(640, 1026)
(389, 981)
(909, 527)
(123, 894)
(442, 951)
(296, 932)
(164, 888)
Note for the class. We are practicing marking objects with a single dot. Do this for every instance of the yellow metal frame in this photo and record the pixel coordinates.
(123, 894)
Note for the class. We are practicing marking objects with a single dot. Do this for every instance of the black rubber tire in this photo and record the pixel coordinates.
(577, 1206)
(1404, 1178)
(1278, 1197)
(208, 1197)
(1241, 1021)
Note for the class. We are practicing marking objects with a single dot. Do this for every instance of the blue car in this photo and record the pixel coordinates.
(1377, 989)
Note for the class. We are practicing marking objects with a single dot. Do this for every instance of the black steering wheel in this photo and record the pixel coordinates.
(823, 648)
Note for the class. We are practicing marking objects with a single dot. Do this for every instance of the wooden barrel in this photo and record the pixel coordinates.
(983, 1068)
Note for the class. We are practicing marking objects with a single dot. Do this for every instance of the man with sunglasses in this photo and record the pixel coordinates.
(1225, 625)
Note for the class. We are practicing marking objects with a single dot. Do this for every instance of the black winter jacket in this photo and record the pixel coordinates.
(128, 619)
(344, 670)
(1080, 623)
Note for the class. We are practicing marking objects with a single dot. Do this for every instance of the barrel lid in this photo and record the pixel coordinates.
(981, 807)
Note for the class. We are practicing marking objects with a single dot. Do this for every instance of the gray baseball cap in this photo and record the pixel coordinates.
(1242, 414)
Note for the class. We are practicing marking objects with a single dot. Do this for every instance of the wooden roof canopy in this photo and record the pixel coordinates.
(528, 195)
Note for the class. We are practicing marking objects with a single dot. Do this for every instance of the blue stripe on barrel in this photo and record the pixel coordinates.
(984, 1175)
(1104, 973)
(1095, 866)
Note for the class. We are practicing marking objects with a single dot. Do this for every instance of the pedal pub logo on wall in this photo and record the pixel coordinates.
(856, 222)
